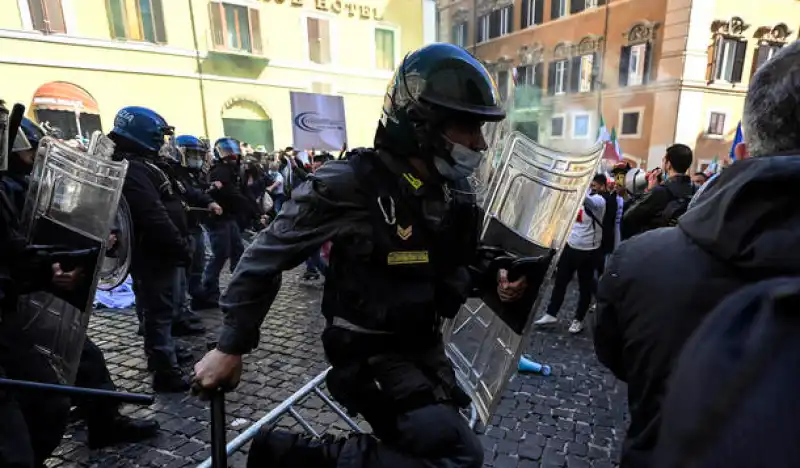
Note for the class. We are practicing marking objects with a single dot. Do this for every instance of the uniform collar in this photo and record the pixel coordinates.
(409, 178)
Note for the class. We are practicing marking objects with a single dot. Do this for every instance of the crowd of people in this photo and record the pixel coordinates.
(695, 304)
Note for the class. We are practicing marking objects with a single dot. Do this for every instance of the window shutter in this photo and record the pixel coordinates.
(551, 79)
(454, 34)
(538, 78)
(54, 14)
(738, 61)
(648, 63)
(158, 20)
(538, 11)
(217, 28)
(601, 2)
(510, 18)
(522, 75)
(761, 57)
(595, 71)
(577, 6)
(624, 64)
(714, 53)
(554, 9)
(526, 6)
(37, 15)
(575, 74)
(255, 31)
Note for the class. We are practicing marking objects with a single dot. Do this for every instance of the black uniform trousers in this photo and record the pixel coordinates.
(31, 423)
(93, 373)
(154, 288)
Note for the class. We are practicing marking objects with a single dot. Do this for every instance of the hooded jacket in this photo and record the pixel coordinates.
(661, 284)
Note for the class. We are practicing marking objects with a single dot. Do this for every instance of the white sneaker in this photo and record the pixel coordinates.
(546, 319)
(576, 327)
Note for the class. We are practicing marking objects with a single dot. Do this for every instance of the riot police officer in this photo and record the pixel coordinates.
(194, 174)
(403, 223)
(160, 243)
(223, 231)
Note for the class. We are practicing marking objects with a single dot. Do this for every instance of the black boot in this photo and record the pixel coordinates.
(204, 304)
(170, 381)
(120, 429)
(280, 449)
(186, 328)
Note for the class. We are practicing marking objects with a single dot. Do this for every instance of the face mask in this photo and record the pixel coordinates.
(195, 163)
(465, 162)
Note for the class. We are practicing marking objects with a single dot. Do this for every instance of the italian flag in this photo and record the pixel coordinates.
(612, 150)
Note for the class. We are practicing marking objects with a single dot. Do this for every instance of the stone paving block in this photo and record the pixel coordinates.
(574, 418)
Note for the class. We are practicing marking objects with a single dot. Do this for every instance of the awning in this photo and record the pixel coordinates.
(63, 96)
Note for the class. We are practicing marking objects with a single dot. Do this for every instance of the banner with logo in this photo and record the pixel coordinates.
(318, 121)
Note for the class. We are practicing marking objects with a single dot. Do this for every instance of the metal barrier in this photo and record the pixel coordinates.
(287, 406)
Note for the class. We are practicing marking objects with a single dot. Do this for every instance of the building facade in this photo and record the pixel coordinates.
(210, 67)
(658, 71)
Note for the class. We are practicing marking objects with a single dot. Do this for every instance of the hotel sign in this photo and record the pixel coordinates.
(343, 7)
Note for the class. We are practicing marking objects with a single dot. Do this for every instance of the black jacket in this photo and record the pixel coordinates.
(660, 285)
(159, 221)
(192, 186)
(645, 213)
(230, 197)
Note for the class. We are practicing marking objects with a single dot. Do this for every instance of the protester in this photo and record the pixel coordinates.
(660, 285)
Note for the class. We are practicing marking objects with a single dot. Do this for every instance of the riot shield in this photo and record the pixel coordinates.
(530, 195)
(68, 215)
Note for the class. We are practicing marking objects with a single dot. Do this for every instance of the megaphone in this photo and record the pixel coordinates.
(636, 181)
(529, 366)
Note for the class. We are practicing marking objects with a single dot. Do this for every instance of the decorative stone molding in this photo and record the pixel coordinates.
(461, 15)
(643, 31)
(504, 62)
(563, 50)
(776, 34)
(732, 27)
(531, 55)
(487, 6)
(589, 45)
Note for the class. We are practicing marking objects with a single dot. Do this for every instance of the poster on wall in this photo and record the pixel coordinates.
(318, 121)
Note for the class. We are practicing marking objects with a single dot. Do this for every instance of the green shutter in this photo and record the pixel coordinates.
(255, 132)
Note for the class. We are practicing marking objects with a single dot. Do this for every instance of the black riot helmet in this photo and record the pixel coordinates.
(435, 84)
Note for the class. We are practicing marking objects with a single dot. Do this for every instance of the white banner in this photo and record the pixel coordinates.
(318, 122)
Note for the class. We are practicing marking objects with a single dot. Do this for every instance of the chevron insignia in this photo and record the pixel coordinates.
(404, 233)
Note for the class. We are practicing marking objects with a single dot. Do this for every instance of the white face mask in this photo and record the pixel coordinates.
(465, 161)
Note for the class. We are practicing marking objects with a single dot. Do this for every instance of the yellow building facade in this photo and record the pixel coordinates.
(209, 67)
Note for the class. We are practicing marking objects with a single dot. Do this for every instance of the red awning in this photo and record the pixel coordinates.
(63, 96)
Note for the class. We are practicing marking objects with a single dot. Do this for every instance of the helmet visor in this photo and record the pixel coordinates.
(194, 158)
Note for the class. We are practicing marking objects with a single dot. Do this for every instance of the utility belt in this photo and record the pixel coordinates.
(388, 382)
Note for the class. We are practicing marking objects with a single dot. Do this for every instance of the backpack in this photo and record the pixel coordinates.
(608, 223)
(676, 207)
(732, 397)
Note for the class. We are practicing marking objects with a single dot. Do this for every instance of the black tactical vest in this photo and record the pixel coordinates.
(172, 194)
(410, 269)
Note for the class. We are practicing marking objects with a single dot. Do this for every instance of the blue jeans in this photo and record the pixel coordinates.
(277, 201)
(194, 275)
(314, 263)
(226, 244)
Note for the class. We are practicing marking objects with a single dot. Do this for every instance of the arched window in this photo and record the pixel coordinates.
(66, 107)
(248, 122)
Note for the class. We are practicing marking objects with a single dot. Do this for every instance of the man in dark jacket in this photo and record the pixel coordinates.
(660, 285)
(649, 211)
(160, 245)
(223, 231)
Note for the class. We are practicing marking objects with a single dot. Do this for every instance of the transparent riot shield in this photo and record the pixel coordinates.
(68, 216)
(530, 192)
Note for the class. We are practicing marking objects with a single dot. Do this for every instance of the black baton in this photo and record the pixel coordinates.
(132, 398)
(219, 456)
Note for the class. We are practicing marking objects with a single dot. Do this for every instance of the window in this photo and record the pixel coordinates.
(580, 126)
(532, 12)
(561, 77)
(716, 124)
(558, 8)
(593, 3)
(483, 28)
(634, 64)
(529, 75)
(505, 20)
(586, 73)
(557, 127)
(765, 52)
(47, 16)
(138, 20)
(235, 28)
(385, 49)
(631, 121)
(319, 40)
(728, 60)
(460, 34)
(502, 84)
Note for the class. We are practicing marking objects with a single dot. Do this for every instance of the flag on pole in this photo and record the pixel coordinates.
(602, 132)
(736, 140)
(612, 150)
(712, 168)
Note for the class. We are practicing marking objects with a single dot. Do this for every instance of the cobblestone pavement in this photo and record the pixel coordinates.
(574, 418)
